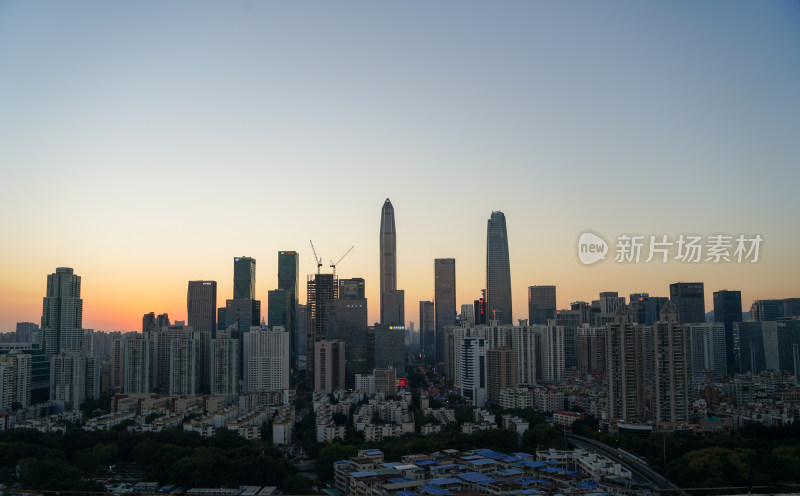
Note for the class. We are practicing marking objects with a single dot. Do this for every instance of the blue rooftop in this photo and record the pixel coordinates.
(536, 464)
(521, 454)
(483, 461)
(525, 492)
(364, 474)
(406, 493)
(391, 464)
(435, 490)
(510, 459)
(443, 481)
(496, 455)
(371, 452)
(399, 480)
(424, 463)
(509, 472)
(475, 477)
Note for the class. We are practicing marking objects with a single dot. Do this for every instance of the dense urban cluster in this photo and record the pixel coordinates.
(639, 365)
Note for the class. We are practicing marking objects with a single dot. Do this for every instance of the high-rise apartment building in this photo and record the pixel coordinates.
(444, 299)
(224, 376)
(625, 375)
(16, 377)
(673, 369)
(591, 347)
(502, 372)
(62, 313)
(472, 371)
(541, 304)
(266, 359)
(330, 367)
(201, 305)
(689, 297)
(138, 364)
(550, 344)
(498, 270)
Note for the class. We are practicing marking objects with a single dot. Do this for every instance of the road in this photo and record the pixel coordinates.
(641, 472)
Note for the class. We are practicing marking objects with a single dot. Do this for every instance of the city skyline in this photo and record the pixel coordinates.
(145, 145)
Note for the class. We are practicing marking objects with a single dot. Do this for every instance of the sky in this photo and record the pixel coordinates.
(146, 144)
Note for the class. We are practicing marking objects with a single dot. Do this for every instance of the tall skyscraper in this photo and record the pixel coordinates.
(288, 280)
(728, 311)
(346, 320)
(541, 304)
(201, 305)
(498, 270)
(388, 257)
(427, 330)
(244, 278)
(62, 312)
(278, 308)
(444, 298)
(689, 297)
(389, 349)
(322, 288)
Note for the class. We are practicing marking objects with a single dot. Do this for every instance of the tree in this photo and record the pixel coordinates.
(298, 484)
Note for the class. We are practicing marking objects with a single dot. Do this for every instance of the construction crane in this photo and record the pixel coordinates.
(316, 258)
(333, 265)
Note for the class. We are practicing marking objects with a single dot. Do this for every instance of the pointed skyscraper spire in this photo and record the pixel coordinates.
(498, 270)
(392, 300)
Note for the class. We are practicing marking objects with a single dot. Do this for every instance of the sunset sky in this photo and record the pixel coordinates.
(146, 144)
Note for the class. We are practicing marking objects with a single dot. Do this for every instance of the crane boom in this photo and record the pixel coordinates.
(333, 265)
(316, 257)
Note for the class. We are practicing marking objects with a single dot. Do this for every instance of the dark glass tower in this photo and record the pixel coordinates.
(201, 306)
(689, 297)
(541, 304)
(244, 278)
(498, 270)
(728, 310)
(444, 299)
(288, 277)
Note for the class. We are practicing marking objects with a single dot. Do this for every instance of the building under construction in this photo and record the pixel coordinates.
(322, 288)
